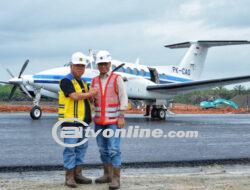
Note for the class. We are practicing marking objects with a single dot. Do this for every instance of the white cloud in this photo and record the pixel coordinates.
(196, 30)
(49, 32)
(190, 9)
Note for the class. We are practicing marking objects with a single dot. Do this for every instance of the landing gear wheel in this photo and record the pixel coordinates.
(161, 113)
(35, 113)
(154, 113)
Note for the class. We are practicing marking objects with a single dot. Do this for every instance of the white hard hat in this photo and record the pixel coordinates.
(103, 56)
(79, 58)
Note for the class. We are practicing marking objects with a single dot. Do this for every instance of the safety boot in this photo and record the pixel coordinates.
(115, 181)
(107, 174)
(79, 178)
(69, 179)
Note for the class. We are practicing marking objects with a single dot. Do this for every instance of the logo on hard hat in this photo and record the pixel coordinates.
(80, 59)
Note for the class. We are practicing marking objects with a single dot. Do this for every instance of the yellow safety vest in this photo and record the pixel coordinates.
(69, 108)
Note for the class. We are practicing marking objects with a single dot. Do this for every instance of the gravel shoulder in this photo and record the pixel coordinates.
(217, 177)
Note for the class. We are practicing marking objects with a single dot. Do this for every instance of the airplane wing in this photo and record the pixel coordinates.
(196, 85)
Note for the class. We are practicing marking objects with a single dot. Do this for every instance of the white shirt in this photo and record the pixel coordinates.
(122, 94)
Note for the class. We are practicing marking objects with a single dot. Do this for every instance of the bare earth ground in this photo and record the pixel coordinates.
(236, 177)
(51, 107)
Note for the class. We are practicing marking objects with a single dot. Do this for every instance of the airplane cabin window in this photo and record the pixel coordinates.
(129, 70)
(136, 72)
(143, 72)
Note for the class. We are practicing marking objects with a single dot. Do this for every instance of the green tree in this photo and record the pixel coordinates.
(239, 90)
(5, 92)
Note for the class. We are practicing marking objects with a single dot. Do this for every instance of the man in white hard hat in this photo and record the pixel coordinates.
(74, 102)
(110, 104)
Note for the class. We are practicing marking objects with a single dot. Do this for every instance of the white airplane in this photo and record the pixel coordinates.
(155, 85)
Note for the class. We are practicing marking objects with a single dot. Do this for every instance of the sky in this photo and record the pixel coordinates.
(48, 32)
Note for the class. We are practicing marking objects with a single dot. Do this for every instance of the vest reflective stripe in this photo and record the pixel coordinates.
(61, 115)
(61, 106)
(75, 109)
(106, 103)
(68, 108)
(116, 114)
(107, 109)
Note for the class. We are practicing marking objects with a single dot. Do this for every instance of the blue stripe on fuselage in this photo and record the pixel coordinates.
(54, 79)
(49, 76)
(172, 78)
(49, 79)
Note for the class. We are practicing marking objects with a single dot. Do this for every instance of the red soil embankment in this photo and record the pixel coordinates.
(191, 109)
(176, 108)
(19, 108)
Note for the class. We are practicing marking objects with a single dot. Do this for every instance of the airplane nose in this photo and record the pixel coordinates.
(21, 80)
(16, 80)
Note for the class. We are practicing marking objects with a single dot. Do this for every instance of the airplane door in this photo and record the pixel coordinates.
(154, 75)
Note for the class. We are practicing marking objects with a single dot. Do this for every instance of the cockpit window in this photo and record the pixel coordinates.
(67, 64)
(122, 70)
(164, 75)
(113, 67)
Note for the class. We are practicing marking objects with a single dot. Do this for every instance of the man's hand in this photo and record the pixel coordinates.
(121, 122)
(80, 96)
(93, 92)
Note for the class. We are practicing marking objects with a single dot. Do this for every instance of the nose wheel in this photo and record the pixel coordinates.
(36, 113)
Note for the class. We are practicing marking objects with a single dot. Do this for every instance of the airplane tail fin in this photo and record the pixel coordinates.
(195, 57)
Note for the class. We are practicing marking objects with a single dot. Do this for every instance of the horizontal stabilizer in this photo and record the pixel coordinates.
(196, 85)
(209, 43)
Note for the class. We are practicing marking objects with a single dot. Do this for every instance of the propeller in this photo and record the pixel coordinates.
(12, 91)
(118, 67)
(10, 73)
(21, 86)
(4, 82)
(23, 68)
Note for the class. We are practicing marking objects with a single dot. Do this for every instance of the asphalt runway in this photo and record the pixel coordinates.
(25, 142)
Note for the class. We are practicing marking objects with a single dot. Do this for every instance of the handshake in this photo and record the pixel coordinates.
(93, 92)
